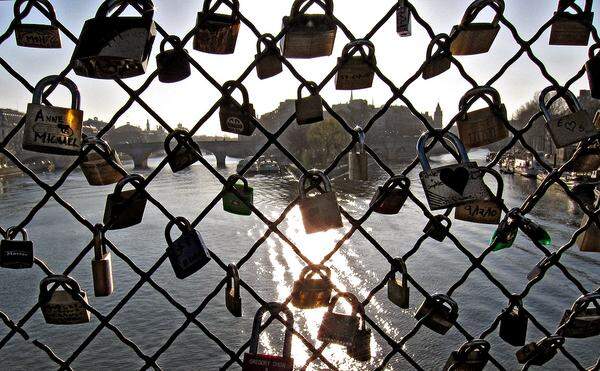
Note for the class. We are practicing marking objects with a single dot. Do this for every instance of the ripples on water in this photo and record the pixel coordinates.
(149, 319)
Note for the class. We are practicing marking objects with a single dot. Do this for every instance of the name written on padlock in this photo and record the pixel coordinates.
(571, 125)
(485, 212)
(55, 126)
(38, 39)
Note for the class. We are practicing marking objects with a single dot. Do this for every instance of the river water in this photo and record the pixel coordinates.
(149, 319)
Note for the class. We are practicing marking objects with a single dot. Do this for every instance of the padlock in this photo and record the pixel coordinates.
(188, 253)
(539, 353)
(504, 236)
(583, 319)
(16, 254)
(592, 67)
(484, 212)
(233, 299)
(513, 322)
(358, 159)
(263, 362)
(542, 266)
(96, 169)
(398, 289)
(451, 185)
(125, 208)
(309, 109)
(217, 33)
(572, 29)
(356, 72)
(471, 356)
(101, 265)
(439, 313)
(588, 158)
(53, 130)
(438, 227)
(173, 64)
(268, 63)
(236, 118)
(483, 126)
(438, 62)
(36, 35)
(115, 47)
(360, 349)
(231, 202)
(403, 19)
(185, 153)
(570, 128)
(589, 240)
(63, 307)
(390, 197)
(321, 212)
(313, 287)
(340, 328)
(308, 35)
(469, 38)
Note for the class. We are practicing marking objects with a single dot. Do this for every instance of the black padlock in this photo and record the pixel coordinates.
(360, 349)
(539, 353)
(233, 299)
(173, 64)
(36, 35)
(583, 319)
(16, 254)
(217, 33)
(436, 229)
(185, 153)
(340, 328)
(439, 312)
(472, 356)
(398, 289)
(390, 198)
(268, 63)
(236, 118)
(592, 68)
(309, 109)
(125, 208)
(188, 253)
(313, 287)
(513, 322)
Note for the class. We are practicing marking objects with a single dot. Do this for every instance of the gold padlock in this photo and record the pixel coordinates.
(63, 307)
(96, 169)
(572, 29)
(321, 212)
(470, 38)
(438, 62)
(484, 211)
(356, 72)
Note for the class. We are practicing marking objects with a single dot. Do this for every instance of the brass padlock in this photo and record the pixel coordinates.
(513, 322)
(358, 159)
(16, 254)
(101, 265)
(268, 63)
(439, 312)
(321, 212)
(309, 109)
(583, 319)
(390, 197)
(483, 126)
(185, 153)
(340, 328)
(313, 287)
(589, 240)
(188, 253)
(471, 356)
(308, 35)
(96, 169)
(570, 128)
(398, 289)
(539, 353)
(236, 118)
(403, 19)
(63, 307)
(360, 349)
(438, 62)
(356, 72)
(36, 35)
(470, 38)
(592, 67)
(50, 129)
(115, 47)
(217, 33)
(450, 185)
(173, 64)
(572, 29)
(588, 158)
(233, 299)
(126, 208)
(484, 212)
(436, 229)
(262, 362)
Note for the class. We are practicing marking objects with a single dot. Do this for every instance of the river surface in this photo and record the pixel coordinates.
(149, 319)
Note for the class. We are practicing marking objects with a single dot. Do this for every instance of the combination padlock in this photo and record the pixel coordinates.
(403, 19)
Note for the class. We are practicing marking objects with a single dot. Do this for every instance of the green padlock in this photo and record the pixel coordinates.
(231, 202)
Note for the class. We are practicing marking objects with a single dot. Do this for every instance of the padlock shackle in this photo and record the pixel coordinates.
(182, 223)
(401, 181)
(65, 281)
(233, 179)
(362, 137)
(315, 269)
(174, 40)
(17, 8)
(477, 6)
(350, 298)
(133, 179)
(354, 46)
(233, 278)
(11, 233)
(235, 11)
(592, 49)
(550, 342)
(312, 174)
(298, 3)
(99, 144)
(573, 5)
(584, 301)
(109, 5)
(473, 345)
(231, 85)
(311, 86)
(272, 308)
(498, 177)
(474, 94)
(445, 299)
(452, 138)
(442, 41)
(182, 137)
(38, 91)
(400, 266)
(567, 95)
(99, 246)
(515, 301)
(268, 41)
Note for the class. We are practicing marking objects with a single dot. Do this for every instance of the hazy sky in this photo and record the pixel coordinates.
(397, 57)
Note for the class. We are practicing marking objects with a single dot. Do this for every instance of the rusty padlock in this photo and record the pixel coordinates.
(36, 35)
(233, 298)
(321, 212)
(572, 29)
(185, 153)
(592, 67)
(101, 265)
(309, 109)
(583, 319)
(469, 38)
(268, 63)
(403, 19)
(63, 307)
(126, 208)
(436, 229)
(313, 287)
(173, 64)
(513, 322)
(15, 254)
(188, 253)
(541, 352)
(358, 159)
(340, 328)
(96, 169)
(471, 356)
(439, 313)
(398, 289)
(356, 71)
(483, 126)
(236, 118)
(390, 197)
(360, 349)
(439, 61)
(484, 212)
(217, 33)
(308, 35)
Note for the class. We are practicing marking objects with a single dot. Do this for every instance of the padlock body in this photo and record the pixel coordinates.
(267, 362)
(437, 65)
(570, 29)
(513, 327)
(398, 293)
(188, 254)
(98, 171)
(360, 349)
(182, 157)
(124, 210)
(311, 293)
(465, 362)
(474, 38)
(217, 34)
(233, 204)
(571, 128)
(393, 200)
(16, 254)
(358, 165)
(440, 318)
(52, 130)
(320, 213)
(233, 302)
(535, 355)
(592, 67)
(589, 240)
(338, 328)
(63, 309)
(483, 212)
(309, 110)
(584, 324)
(354, 73)
(236, 118)
(482, 127)
(37, 36)
(436, 230)
(403, 21)
(587, 160)
(267, 65)
(172, 65)
(102, 275)
(308, 36)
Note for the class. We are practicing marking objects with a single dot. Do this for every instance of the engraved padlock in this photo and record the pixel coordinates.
(308, 35)
(398, 289)
(217, 33)
(313, 287)
(115, 47)
(356, 71)
(360, 349)
(253, 361)
(471, 356)
(513, 322)
(439, 313)
(320, 212)
(44, 36)
(390, 197)
(96, 169)
(53, 130)
(101, 265)
(539, 353)
(589, 240)
(484, 212)
(569, 128)
(450, 185)
(483, 126)
(16, 254)
(592, 67)
(340, 328)
(439, 61)
(572, 29)
(125, 208)
(268, 62)
(173, 64)
(358, 159)
(309, 109)
(403, 19)
(185, 153)
(583, 319)
(232, 203)
(188, 253)
(233, 298)
(236, 118)
(63, 307)
(469, 38)
(438, 227)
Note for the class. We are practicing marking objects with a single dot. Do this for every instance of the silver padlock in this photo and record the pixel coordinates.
(403, 19)
(321, 212)
(101, 265)
(358, 159)
(398, 289)
(63, 307)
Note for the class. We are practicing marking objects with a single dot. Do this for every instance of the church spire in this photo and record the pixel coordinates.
(438, 117)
